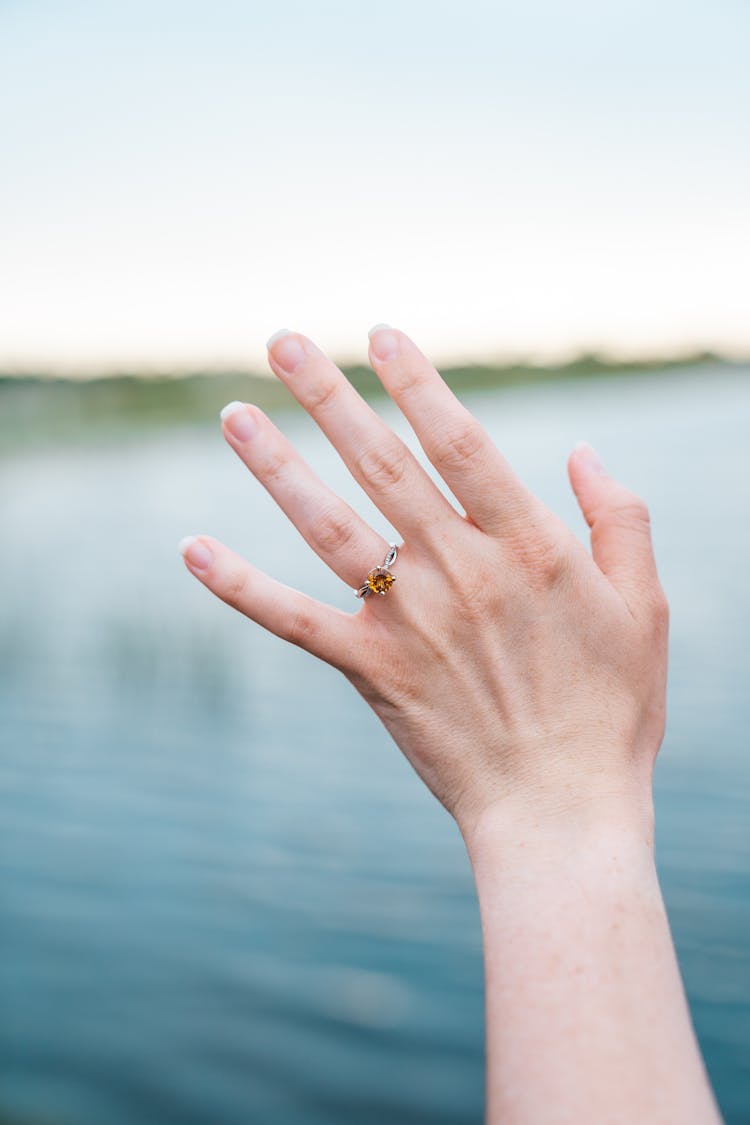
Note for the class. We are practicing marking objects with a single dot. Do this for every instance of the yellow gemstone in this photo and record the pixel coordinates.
(379, 580)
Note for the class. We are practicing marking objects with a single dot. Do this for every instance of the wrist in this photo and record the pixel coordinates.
(516, 837)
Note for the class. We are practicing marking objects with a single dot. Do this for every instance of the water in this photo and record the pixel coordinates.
(225, 896)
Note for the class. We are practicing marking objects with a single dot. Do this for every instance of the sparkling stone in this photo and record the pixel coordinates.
(379, 580)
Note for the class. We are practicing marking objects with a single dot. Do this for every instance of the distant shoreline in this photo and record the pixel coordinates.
(40, 406)
(585, 363)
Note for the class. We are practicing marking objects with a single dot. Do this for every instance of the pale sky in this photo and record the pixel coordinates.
(179, 180)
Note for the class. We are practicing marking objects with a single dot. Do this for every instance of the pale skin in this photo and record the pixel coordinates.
(524, 679)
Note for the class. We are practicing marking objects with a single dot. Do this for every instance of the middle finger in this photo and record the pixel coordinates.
(378, 460)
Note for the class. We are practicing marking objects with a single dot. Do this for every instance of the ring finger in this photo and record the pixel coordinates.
(340, 537)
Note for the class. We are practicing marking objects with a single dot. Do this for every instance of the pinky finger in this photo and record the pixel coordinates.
(320, 629)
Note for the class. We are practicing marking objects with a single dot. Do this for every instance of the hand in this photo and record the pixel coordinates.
(515, 671)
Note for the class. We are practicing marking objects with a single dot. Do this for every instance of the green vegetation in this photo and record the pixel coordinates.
(45, 408)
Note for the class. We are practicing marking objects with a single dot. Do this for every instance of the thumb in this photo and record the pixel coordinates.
(620, 528)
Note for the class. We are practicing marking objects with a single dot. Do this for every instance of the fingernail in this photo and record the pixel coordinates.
(239, 421)
(286, 350)
(195, 553)
(277, 336)
(592, 459)
(383, 341)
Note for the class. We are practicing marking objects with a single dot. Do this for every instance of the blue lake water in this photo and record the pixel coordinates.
(225, 895)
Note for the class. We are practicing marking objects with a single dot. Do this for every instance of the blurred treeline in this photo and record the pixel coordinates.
(37, 407)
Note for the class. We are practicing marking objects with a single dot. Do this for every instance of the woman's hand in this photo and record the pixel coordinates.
(512, 668)
(524, 680)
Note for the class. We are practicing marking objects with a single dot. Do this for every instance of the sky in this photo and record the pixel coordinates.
(500, 180)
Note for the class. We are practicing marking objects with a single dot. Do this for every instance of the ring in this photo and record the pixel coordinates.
(380, 579)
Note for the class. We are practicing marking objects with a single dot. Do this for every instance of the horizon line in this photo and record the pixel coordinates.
(567, 358)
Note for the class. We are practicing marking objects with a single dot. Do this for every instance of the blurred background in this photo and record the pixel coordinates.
(225, 897)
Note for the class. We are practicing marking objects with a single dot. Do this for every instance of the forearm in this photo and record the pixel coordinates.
(586, 1015)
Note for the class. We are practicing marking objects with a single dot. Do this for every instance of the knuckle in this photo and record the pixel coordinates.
(460, 445)
(554, 563)
(475, 588)
(547, 563)
(234, 586)
(302, 627)
(630, 509)
(410, 381)
(320, 395)
(384, 465)
(660, 609)
(478, 597)
(543, 556)
(274, 466)
(332, 529)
